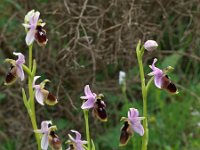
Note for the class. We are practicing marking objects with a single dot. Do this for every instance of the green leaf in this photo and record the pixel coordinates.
(93, 146)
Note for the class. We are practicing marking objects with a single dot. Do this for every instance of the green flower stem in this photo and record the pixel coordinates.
(30, 56)
(30, 104)
(87, 128)
(140, 52)
(148, 84)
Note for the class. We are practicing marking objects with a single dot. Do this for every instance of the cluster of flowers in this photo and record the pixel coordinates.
(35, 31)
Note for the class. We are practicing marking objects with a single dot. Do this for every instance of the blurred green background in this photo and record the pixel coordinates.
(89, 43)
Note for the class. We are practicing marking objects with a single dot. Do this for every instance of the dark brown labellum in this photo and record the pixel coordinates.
(165, 81)
(50, 99)
(11, 76)
(41, 36)
(54, 141)
(172, 88)
(99, 110)
(71, 146)
(168, 85)
(125, 134)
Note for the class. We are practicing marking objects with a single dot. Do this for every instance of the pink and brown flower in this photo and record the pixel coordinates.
(131, 124)
(161, 80)
(95, 102)
(35, 28)
(16, 70)
(42, 95)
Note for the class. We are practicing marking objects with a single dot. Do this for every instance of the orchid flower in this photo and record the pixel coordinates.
(150, 45)
(16, 69)
(131, 124)
(34, 27)
(43, 95)
(95, 102)
(161, 80)
(45, 131)
(76, 143)
(122, 77)
(48, 134)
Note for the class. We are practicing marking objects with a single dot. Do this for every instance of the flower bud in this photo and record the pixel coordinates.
(150, 45)
(122, 77)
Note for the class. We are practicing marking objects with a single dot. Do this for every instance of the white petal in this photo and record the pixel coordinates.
(78, 135)
(87, 90)
(45, 142)
(88, 104)
(138, 128)
(39, 96)
(29, 15)
(34, 80)
(132, 113)
(158, 81)
(30, 36)
(21, 59)
(20, 72)
(34, 19)
(44, 125)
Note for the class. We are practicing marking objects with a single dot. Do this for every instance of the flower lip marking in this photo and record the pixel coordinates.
(41, 36)
(99, 108)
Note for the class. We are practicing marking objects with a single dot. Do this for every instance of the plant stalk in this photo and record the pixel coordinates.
(87, 129)
(140, 52)
(31, 98)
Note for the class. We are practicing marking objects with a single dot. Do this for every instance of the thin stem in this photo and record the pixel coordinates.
(87, 128)
(148, 84)
(31, 109)
(30, 56)
(140, 52)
